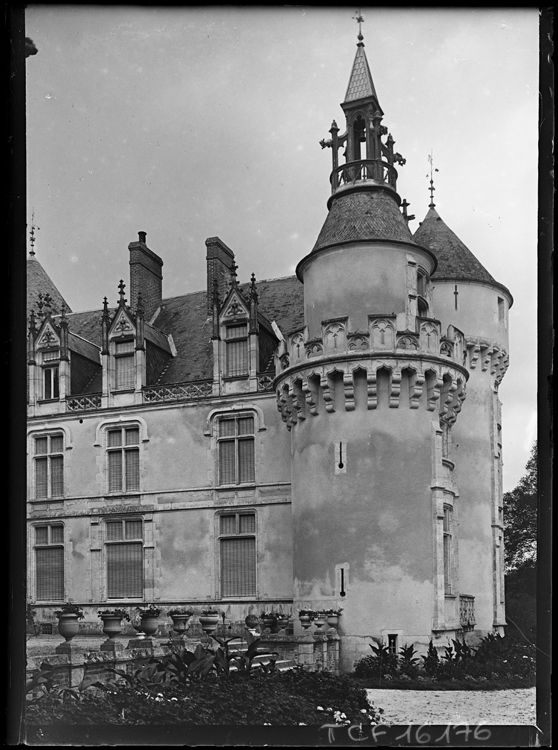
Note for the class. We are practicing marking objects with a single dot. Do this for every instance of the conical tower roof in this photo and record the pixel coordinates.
(361, 84)
(366, 215)
(39, 282)
(455, 260)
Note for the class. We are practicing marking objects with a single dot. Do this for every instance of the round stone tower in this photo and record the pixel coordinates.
(370, 389)
(466, 295)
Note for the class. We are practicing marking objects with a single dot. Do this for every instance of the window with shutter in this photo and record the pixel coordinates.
(237, 350)
(125, 366)
(124, 558)
(236, 449)
(51, 389)
(49, 562)
(237, 545)
(123, 459)
(49, 466)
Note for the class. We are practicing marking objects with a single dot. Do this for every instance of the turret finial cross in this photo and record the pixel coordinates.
(359, 18)
(32, 237)
(431, 188)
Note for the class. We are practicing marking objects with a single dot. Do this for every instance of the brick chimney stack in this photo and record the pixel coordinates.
(220, 259)
(146, 276)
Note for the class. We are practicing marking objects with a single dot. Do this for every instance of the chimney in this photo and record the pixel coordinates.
(145, 276)
(220, 259)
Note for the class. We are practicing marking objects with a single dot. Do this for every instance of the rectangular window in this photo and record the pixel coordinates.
(237, 350)
(236, 450)
(124, 558)
(501, 311)
(123, 459)
(49, 562)
(125, 366)
(448, 512)
(238, 554)
(50, 383)
(392, 643)
(49, 466)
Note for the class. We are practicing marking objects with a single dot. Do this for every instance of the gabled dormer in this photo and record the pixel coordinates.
(235, 338)
(47, 354)
(123, 352)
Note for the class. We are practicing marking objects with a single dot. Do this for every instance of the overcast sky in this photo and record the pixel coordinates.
(195, 122)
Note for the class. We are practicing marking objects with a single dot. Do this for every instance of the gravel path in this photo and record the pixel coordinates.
(456, 706)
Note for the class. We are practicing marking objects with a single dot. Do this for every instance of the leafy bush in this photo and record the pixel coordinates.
(238, 698)
(497, 662)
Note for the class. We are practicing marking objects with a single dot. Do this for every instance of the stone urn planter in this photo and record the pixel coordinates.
(251, 621)
(68, 621)
(333, 621)
(305, 621)
(209, 619)
(269, 620)
(68, 625)
(149, 620)
(282, 621)
(180, 619)
(112, 622)
(320, 621)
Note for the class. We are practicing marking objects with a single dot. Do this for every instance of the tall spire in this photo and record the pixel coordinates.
(361, 85)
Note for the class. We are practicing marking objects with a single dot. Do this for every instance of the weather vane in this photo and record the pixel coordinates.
(432, 188)
(32, 238)
(359, 18)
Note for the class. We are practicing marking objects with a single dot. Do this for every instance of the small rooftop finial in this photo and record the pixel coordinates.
(234, 280)
(121, 288)
(32, 237)
(431, 188)
(359, 18)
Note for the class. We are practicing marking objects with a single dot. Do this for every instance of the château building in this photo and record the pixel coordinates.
(325, 440)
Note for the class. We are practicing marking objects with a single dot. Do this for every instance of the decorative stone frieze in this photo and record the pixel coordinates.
(487, 355)
(331, 385)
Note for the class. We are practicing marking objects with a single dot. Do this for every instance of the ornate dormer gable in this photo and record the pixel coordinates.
(123, 323)
(235, 336)
(47, 353)
(123, 347)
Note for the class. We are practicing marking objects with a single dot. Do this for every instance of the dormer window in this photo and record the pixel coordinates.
(237, 350)
(50, 383)
(125, 371)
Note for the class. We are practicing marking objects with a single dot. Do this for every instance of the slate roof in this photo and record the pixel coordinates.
(361, 84)
(39, 282)
(365, 215)
(185, 319)
(455, 260)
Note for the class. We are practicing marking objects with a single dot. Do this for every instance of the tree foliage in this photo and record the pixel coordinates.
(520, 517)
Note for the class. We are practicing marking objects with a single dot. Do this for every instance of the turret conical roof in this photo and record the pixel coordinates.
(455, 260)
(361, 84)
(39, 282)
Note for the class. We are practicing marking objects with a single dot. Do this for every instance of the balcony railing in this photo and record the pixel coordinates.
(84, 403)
(177, 391)
(265, 381)
(375, 170)
(467, 611)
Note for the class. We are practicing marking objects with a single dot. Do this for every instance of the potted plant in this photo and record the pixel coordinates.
(333, 616)
(149, 619)
(268, 619)
(68, 616)
(282, 620)
(209, 619)
(306, 616)
(112, 621)
(320, 619)
(180, 617)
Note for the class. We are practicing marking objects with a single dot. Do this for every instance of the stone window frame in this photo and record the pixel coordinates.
(123, 518)
(219, 537)
(32, 568)
(101, 441)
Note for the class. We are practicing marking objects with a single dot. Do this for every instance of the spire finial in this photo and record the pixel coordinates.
(431, 188)
(121, 287)
(32, 234)
(359, 18)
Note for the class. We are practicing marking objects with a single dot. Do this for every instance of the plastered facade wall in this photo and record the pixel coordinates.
(482, 314)
(365, 519)
(357, 280)
(179, 500)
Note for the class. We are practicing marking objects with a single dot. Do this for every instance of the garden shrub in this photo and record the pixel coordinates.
(497, 662)
(238, 698)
